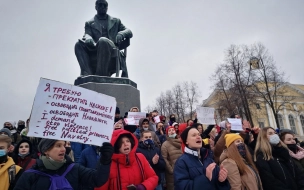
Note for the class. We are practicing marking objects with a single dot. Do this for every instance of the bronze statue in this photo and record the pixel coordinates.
(99, 49)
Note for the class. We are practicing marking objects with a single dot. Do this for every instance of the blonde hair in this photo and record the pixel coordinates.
(264, 146)
(7, 139)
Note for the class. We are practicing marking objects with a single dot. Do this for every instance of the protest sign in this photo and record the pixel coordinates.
(236, 124)
(130, 121)
(137, 116)
(205, 115)
(71, 113)
(156, 119)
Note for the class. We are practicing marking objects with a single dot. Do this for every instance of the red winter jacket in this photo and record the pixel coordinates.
(138, 171)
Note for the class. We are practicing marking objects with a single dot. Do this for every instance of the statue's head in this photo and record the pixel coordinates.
(101, 7)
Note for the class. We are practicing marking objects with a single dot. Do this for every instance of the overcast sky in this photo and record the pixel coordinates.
(173, 41)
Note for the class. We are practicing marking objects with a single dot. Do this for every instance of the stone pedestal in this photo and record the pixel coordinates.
(123, 89)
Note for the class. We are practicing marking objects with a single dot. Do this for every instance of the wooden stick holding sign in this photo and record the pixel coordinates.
(66, 112)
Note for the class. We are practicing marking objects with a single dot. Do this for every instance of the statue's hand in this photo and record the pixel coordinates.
(89, 41)
(119, 38)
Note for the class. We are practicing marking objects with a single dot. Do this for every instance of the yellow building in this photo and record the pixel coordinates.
(291, 113)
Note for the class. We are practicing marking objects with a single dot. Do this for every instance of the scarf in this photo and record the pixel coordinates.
(51, 164)
(299, 155)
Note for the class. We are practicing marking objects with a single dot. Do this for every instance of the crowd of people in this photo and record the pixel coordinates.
(163, 155)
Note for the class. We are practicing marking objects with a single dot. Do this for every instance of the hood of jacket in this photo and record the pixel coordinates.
(141, 122)
(16, 150)
(125, 159)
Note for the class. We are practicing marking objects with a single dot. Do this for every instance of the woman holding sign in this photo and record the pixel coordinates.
(53, 170)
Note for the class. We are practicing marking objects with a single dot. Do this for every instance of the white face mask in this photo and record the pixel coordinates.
(274, 139)
(146, 129)
(173, 135)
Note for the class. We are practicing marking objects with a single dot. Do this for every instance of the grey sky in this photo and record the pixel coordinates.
(173, 41)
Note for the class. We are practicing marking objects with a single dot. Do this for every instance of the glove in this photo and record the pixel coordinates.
(119, 38)
(106, 153)
(140, 187)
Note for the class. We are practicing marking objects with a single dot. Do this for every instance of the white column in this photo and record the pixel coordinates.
(298, 121)
(286, 119)
(270, 117)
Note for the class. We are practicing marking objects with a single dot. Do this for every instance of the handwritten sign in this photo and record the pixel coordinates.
(130, 121)
(66, 112)
(236, 124)
(137, 116)
(205, 115)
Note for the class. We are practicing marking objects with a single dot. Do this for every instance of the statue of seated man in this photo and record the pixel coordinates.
(97, 51)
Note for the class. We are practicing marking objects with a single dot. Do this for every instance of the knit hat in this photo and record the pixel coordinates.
(184, 134)
(170, 127)
(230, 138)
(117, 111)
(46, 144)
(6, 131)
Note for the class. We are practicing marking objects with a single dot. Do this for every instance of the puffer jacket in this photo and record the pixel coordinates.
(128, 169)
(248, 181)
(190, 172)
(171, 151)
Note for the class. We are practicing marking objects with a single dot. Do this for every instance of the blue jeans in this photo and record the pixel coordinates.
(159, 187)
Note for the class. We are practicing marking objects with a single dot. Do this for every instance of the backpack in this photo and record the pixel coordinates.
(58, 182)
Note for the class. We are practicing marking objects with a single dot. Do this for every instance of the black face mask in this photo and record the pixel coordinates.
(172, 119)
(67, 150)
(292, 147)
(20, 127)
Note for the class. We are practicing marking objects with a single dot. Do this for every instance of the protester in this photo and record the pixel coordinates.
(153, 155)
(144, 126)
(176, 127)
(77, 149)
(276, 168)
(190, 122)
(129, 168)
(172, 120)
(21, 126)
(238, 161)
(118, 125)
(134, 109)
(220, 143)
(89, 158)
(23, 154)
(161, 132)
(53, 163)
(171, 151)
(68, 150)
(14, 135)
(117, 115)
(189, 168)
(295, 151)
(9, 172)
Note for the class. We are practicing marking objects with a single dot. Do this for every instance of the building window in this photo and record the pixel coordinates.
(292, 124)
(280, 120)
(261, 124)
(302, 121)
(258, 106)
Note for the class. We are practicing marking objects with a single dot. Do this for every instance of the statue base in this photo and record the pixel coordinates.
(123, 89)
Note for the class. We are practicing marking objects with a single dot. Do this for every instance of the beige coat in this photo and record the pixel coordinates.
(171, 151)
(248, 181)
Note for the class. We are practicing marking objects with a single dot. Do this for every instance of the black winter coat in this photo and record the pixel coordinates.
(78, 177)
(149, 153)
(279, 173)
